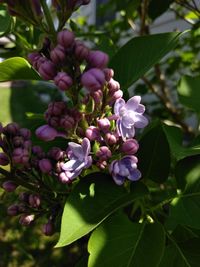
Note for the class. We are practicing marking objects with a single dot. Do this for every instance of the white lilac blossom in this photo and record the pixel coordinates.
(130, 116)
(79, 159)
(125, 168)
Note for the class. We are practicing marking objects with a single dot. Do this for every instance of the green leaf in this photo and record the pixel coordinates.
(17, 68)
(94, 198)
(137, 56)
(189, 93)
(154, 155)
(175, 138)
(185, 208)
(184, 254)
(5, 21)
(120, 243)
(157, 8)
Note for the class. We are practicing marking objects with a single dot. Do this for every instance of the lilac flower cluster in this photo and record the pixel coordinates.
(98, 126)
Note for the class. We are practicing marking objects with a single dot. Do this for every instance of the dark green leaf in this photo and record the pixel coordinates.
(185, 208)
(189, 93)
(17, 68)
(182, 254)
(5, 21)
(94, 198)
(154, 155)
(137, 56)
(175, 138)
(120, 243)
(157, 8)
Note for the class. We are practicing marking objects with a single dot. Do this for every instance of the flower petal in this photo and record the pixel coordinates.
(118, 104)
(133, 103)
(76, 150)
(140, 121)
(140, 109)
(86, 147)
(119, 180)
(135, 175)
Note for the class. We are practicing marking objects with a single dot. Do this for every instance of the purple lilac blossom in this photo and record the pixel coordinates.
(125, 168)
(130, 116)
(79, 158)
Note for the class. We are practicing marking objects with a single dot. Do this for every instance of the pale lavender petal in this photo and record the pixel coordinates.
(140, 121)
(118, 104)
(76, 149)
(133, 103)
(128, 120)
(71, 165)
(88, 162)
(86, 147)
(127, 132)
(134, 175)
(119, 180)
(140, 109)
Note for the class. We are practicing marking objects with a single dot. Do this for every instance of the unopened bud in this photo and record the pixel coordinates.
(98, 59)
(4, 160)
(63, 81)
(45, 165)
(13, 210)
(110, 138)
(58, 54)
(103, 124)
(104, 153)
(34, 201)
(48, 228)
(26, 220)
(47, 70)
(65, 38)
(93, 133)
(93, 79)
(9, 186)
(46, 133)
(130, 147)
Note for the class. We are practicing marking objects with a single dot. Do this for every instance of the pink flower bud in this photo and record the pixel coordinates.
(58, 54)
(4, 160)
(109, 73)
(13, 210)
(34, 57)
(56, 108)
(11, 129)
(37, 150)
(26, 220)
(97, 96)
(102, 164)
(48, 228)
(65, 38)
(130, 147)
(116, 95)
(81, 51)
(98, 59)
(93, 79)
(9, 186)
(27, 144)
(45, 165)
(111, 139)
(67, 122)
(25, 133)
(20, 155)
(104, 153)
(18, 141)
(113, 86)
(47, 70)
(93, 133)
(34, 201)
(56, 153)
(46, 133)
(103, 124)
(54, 121)
(63, 178)
(63, 81)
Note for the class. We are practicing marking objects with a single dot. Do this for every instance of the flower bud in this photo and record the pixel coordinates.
(13, 210)
(116, 95)
(130, 147)
(46, 133)
(45, 165)
(111, 139)
(9, 186)
(93, 79)
(109, 73)
(11, 128)
(104, 153)
(47, 70)
(63, 178)
(48, 228)
(93, 133)
(24, 196)
(63, 81)
(103, 124)
(56, 153)
(4, 160)
(26, 133)
(113, 86)
(58, 54)
(97, 96)
(54, 121)
(67, 122)
(18, 141)
(26, 220)
(20, 155)
(56, 108)
(81, 51)
(37, 150)
(65, 38)
(34, 57)
(102, 164)
(27, 144)
(98, 59)
(34, 201)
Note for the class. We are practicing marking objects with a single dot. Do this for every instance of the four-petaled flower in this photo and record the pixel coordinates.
(125, 168)
(79, 159)
(129, 116)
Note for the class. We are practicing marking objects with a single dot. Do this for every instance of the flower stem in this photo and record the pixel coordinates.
(48, 17)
